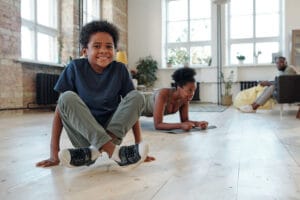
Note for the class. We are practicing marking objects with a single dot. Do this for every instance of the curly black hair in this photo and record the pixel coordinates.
(183, 76)
(95, 27)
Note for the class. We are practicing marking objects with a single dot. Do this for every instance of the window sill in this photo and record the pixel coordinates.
(39, 63)
(224, 66)
(251, 65)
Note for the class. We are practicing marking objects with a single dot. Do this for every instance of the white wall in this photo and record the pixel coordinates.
(292, 15)
(145, 38)
(144, 30)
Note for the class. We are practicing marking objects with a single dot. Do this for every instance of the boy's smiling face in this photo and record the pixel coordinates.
(100, 51)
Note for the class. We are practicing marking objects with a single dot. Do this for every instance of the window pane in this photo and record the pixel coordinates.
(241, 7)
(241, 27)
(201, 55)
(200, 9)
(27, 43)
(200, 30)
(177, 32)
(177, 10)
(267, 25)
(179, 55)
(241, 49)
(267, 6)
(27, 9)
(47, 48)
(188, 31)
(46, 13)
(91, 10)
(90, 6)
(266, 49)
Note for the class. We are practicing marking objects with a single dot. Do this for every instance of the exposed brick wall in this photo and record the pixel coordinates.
(115, 11)
(29, 79)
(69, 29)
(11, 85)
(107, 10)
(17, 80)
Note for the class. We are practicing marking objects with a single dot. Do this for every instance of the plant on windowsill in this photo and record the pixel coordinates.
(228, 82)
(171, 61)
(256, 55)
(186, 61)
(146, 71)
(180, 57)
(241, 58)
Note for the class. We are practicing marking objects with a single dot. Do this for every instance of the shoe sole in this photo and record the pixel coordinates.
(65, 158)
(143, 157)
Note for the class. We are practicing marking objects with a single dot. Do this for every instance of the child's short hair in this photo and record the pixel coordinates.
(95, 27)
(183, 75)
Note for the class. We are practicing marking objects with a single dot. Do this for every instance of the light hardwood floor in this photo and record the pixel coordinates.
(249, 156)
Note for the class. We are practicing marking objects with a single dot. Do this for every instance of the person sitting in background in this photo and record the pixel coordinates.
(283, 69)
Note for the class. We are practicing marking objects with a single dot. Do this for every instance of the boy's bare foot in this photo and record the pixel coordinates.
(149, 159)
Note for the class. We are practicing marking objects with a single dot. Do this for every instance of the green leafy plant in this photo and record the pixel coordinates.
(257, 54)
(228, 82)
(204, 60)
(171, 60)
(180, 56)
(146, 71)
(241, 57)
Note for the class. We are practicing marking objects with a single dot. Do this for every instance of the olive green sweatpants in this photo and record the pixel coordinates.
(83, 129)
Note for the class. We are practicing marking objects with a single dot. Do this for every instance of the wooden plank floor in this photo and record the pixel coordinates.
(249, 156)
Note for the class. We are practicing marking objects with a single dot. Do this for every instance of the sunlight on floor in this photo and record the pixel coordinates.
(248, 156)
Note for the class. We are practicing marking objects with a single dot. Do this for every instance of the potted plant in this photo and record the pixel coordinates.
(171, 61)
(256, 55)
(241, 58)
(227, 96)
(180, 57)
(146, 71)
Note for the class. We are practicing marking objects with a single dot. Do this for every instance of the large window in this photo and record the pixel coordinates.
(39, 30)
(90, 10)
(188, 32)
(253, 30)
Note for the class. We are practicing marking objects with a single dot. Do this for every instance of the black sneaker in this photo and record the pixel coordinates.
(76, 157)
(133, 155)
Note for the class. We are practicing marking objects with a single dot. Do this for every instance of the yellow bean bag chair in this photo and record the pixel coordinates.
(247, 97)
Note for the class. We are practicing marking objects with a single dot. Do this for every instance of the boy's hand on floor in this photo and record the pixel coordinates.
(48, 163)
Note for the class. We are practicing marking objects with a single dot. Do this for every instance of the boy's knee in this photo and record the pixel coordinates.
(137, 98)
(67, 97)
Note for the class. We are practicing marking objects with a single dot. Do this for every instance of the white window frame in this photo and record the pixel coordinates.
(189, 43)
(38, 28)
(95, 12)
(227, 42)
(254, 40)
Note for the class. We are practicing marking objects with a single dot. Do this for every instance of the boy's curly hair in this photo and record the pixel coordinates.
(183, 76)
(95, 27)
